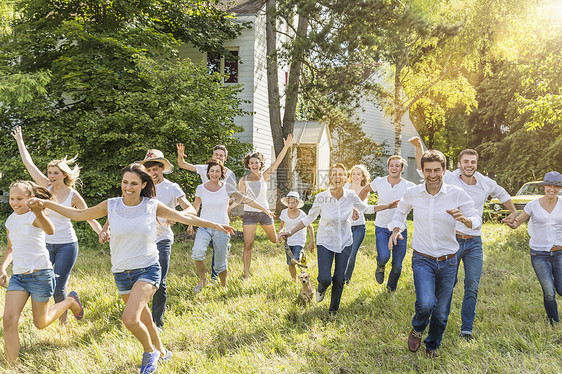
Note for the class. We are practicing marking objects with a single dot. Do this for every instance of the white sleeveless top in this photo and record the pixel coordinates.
(64, 232)
(28, 244)
(256, 191)
(133, 234)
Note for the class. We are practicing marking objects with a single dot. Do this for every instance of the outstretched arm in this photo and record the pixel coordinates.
(36, 174)
(78, 202)
(95, 212)
(517, 221)
(181, 159)
(241, 199)
(189, 219)
(416, 142)
(270, 170)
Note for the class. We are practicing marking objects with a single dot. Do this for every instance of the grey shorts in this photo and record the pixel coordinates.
(253, 218)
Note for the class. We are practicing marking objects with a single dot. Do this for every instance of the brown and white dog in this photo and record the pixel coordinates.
(308, 291)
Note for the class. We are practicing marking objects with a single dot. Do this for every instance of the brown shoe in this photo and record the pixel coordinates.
(414, 340)
(431, 353)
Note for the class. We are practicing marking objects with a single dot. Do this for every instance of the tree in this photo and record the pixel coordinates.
(105, 83)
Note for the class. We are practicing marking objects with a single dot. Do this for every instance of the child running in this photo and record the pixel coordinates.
(32, 270)
(289, 218)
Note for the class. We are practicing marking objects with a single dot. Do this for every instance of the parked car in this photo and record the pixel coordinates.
(528, 192)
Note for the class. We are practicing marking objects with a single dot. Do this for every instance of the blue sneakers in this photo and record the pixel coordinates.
(149, 361)
(166, 357)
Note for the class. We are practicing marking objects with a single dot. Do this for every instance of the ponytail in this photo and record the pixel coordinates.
(33, 189)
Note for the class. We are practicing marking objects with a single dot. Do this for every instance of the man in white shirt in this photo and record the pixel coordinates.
(437, 208)
(219, 153)
(171, 195)
(478, 187)
(389, 188)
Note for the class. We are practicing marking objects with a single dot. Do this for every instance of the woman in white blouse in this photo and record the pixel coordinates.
(545, 230)
(333, 239)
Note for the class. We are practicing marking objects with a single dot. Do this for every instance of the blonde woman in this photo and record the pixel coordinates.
(359, 177)
(63, 244)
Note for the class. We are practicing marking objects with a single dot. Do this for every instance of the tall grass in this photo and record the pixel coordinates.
(257, 326)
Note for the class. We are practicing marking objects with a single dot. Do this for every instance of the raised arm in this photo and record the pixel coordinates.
(33, 170)
(287, 143)
(95, 212)
(189, 219)
(181, 159)
(416, 142)
(365, 191)
(79, 203)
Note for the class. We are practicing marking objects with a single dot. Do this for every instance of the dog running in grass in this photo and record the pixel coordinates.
(307, 292)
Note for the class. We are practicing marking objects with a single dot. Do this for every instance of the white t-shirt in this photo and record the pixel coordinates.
(229, 178)
(133, 234)
(28, 244)
(64, 232)
(168, 194)
(214, 205)
(361, 219)
(299, 237)
(545, 229)
(388, 193)
(256, 191)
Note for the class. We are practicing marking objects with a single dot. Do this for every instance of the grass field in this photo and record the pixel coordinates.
(257, 326)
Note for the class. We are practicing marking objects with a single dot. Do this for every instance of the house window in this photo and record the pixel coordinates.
(227, 66)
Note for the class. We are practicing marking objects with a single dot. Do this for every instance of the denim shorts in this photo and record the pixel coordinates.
(40, 284)
(253, 218)
(125, 280)
(296, 250)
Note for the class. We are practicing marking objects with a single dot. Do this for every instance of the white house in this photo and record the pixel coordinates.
(250, 71)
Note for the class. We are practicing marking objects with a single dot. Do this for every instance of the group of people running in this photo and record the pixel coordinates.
(447, 206)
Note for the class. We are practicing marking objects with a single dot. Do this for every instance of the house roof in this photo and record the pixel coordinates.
(242, 6)
(309, 132)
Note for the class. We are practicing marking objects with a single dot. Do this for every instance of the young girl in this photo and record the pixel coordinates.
(289, 218)
(215, 196)
(359, 177)
(134, 256)
(63, 243)
(32, 271)
(254, 185)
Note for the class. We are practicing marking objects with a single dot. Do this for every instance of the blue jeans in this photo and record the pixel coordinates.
(221, 245)
(63, 257)
(161, 296)
(358, 233)
(548, 267)
(470, 252)
(434, 282)
(325, 277)
(383, 254)
(39, 284)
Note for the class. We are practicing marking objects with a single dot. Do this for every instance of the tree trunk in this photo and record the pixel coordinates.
(397, 111)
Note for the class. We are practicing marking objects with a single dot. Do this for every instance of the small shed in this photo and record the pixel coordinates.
(311, 156)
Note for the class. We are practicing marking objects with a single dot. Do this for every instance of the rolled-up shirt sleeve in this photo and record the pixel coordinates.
(313, 213)
(401, 212)
(466, 206)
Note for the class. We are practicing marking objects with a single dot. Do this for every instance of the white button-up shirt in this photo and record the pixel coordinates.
(334, 228)
(434, 228)
(545, 229)
(478, 192)
(388, 193)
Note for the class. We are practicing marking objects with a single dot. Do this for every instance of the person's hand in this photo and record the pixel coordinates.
(181, 149)
(513, 224)
(415, 141)
(104, 236)
(190, 230)
(393, 240)
(311, 246)
(392, 205)
(4, 280)
(225, 228)
(288, 142)
(511, 218)
(355, 215)
(36, 204)
(457, 215)
(284, 235)
(270, 213)
(17, 134)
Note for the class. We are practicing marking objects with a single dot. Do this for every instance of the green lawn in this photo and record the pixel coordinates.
(258, 327)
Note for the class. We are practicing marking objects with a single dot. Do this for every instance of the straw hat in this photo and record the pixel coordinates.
(158, 156)
(294, 195)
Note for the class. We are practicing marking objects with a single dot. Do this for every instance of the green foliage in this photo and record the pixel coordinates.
(101, 80)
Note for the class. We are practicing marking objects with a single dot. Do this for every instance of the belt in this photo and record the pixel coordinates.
(464, 236)
(440, 258)
(556, 248)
